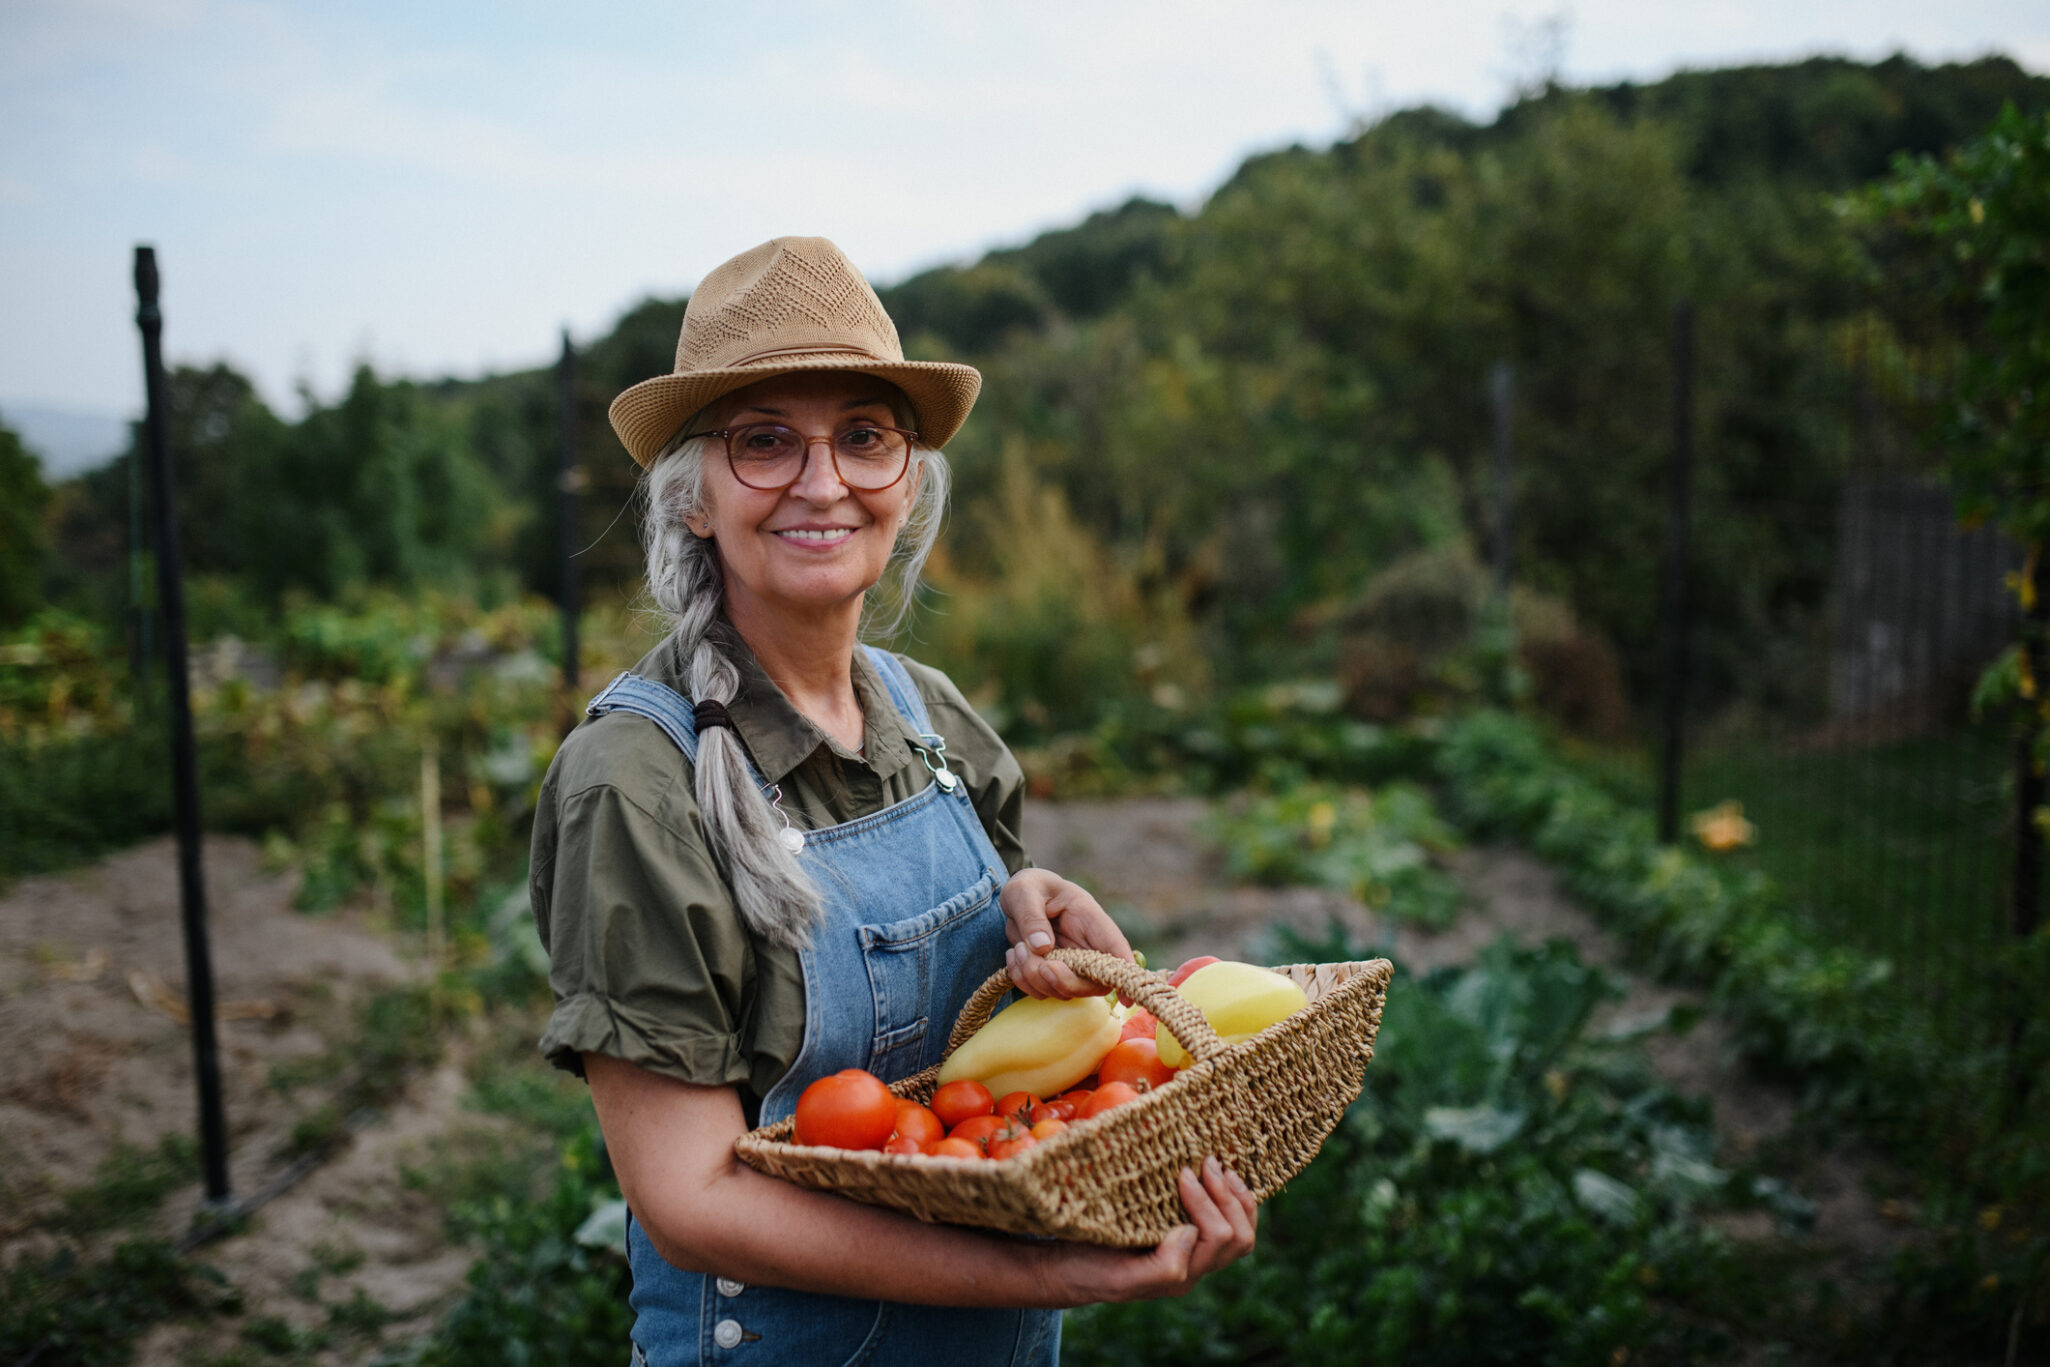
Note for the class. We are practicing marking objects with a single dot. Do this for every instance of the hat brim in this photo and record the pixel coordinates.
(649, 414)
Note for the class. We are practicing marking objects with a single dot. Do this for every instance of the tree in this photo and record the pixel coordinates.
(23, 542)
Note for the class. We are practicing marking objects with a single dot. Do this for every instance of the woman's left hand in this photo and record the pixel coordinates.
(1044, 911)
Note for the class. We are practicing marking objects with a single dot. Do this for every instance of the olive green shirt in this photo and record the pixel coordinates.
(649, 958)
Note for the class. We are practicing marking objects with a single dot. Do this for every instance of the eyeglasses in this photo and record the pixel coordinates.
(770, 457)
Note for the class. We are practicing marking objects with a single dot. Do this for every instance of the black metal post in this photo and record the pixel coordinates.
(1679, 483)
(1502, 398)
(199, 974)
(569, 482)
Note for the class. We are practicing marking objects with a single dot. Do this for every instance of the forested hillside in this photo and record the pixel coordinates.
(1215, 434)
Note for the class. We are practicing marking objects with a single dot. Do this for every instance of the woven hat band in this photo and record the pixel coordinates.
(809, 350)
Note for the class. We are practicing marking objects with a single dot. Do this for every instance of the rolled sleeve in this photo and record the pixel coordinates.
(647, 957)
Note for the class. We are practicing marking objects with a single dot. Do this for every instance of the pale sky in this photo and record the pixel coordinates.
(439, 187)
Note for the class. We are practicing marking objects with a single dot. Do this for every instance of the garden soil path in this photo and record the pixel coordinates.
(94, 1053)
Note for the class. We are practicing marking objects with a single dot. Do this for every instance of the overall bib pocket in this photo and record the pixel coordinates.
(901, 958)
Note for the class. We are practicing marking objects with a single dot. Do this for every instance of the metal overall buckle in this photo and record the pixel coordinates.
(933, 750)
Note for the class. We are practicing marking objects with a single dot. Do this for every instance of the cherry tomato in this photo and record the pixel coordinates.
(951, 1147)
(903, 1143)
(916, 1122)
(1181, 975)
(1136, 1063)
(1046, 1110)
(1047, 1129)
(1003, 1146)
(1110, 1094)
(956, 1101)
(977, 1129)
(1068, 1105)
(1017, 1105)
(1139, 1025)
(851, 1109)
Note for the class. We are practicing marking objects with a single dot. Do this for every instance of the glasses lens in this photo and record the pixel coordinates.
(871, 457)
(765, 456)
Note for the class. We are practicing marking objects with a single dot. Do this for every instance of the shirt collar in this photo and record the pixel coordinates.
(779, 737)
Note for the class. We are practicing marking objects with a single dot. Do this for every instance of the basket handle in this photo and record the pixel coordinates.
(1149, 990)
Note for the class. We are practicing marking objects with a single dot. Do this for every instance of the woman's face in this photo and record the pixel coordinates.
(818, 545)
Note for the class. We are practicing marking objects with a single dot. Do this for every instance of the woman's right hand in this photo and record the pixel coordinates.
(1224, 1219)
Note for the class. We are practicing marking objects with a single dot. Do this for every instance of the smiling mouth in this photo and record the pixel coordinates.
(816, 536)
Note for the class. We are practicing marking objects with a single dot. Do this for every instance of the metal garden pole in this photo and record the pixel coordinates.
(569, 480)
(1679, 481)
(199, 974)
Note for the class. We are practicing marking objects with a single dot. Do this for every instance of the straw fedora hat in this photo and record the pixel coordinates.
(796, 303)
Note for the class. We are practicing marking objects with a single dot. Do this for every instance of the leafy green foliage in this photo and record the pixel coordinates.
(1940, 1093)
(1973, 231)
(87, 1311)
(130, 1184)
(1507, 1189)
(537, 1295)
(1378, 845)
(23, 541)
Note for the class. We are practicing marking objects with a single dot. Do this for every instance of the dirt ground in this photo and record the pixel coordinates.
(92, 1052)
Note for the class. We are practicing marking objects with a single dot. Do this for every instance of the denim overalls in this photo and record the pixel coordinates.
(911, 928)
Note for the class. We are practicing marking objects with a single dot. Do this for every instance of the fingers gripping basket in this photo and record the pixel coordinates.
(1263, 1107)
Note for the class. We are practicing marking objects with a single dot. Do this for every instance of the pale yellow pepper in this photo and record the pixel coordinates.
(1041, 1046)
(1239, 1001)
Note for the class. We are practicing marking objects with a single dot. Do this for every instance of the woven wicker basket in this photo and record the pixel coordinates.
(1263, 1107)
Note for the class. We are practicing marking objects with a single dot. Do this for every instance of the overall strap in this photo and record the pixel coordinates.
(897, 679)
(658, 702)
(931, 747)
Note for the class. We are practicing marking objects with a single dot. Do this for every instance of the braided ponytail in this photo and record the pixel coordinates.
(776, 897)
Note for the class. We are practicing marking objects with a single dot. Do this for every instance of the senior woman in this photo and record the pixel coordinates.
(773, 852)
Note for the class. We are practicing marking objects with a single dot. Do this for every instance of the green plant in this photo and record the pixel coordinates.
(1507, 1189)
(536, 1293)
(129, 1185)
(1380, 845)
(71, 1308)
(1829, 1017)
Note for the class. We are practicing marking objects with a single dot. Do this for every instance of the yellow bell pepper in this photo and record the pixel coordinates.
(1039, 1046)
(1239, 1001)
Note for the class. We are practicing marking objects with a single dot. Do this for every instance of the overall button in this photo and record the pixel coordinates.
(726, 1333)
(729, 1287)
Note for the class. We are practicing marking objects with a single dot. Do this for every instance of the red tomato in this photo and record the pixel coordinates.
(1047, 1129)
(1136, 1063)
(1181, 975)
(1046, 1110)
(916, 1122)
(1105, 1097)
(977, 1129)
(956, 1101)
(1005, 1145)
(1139, 1025)
(1017, 1105)
(903, 1143)
(1069, 1104)
(951, 1147)
(851, 1109)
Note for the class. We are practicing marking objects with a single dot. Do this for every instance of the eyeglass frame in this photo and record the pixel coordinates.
(725, 435)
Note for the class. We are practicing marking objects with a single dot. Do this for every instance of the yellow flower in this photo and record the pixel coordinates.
(1722, 828)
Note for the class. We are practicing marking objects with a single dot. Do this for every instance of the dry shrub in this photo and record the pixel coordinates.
(1410, 643)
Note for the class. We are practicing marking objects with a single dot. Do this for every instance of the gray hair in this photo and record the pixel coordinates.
(776, 897)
